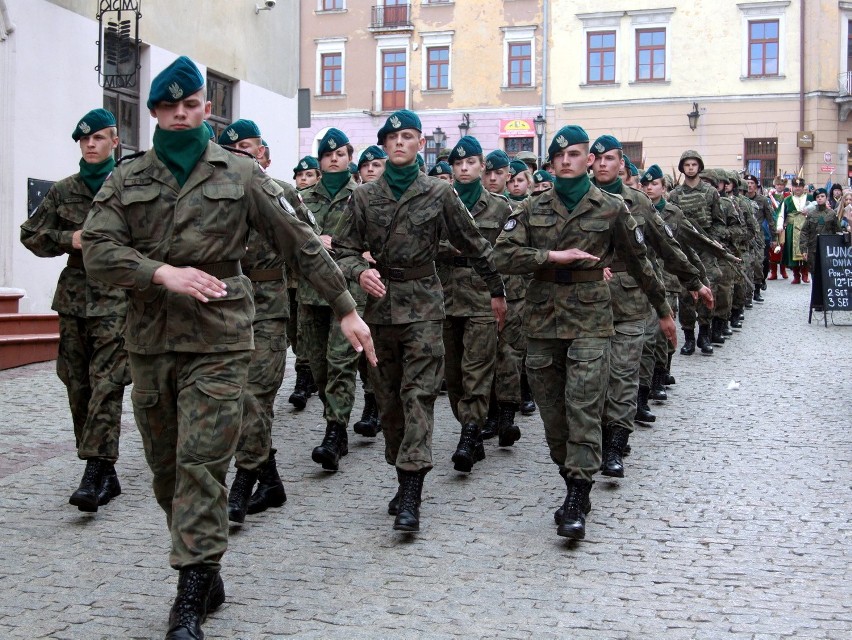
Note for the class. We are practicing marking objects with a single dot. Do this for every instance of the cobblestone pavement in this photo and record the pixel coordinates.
(733, 520)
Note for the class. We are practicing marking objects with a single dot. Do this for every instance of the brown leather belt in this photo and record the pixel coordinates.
(401, 274)
(228, 269)
(75, 261)
(265, 275)
(569, 276)
(618, 266)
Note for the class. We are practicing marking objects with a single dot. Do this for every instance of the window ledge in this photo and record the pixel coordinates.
(526, 88)
(753, 78)
(330, 96)
(432, 92)
(599, 85)
(325, 12)
(640, 83)
(437, 4)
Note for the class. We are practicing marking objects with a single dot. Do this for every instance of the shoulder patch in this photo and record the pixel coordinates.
(286, 206)
(640, 237)
(668, 230)
(511, 223)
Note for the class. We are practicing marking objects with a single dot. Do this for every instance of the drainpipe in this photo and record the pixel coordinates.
(801, 77)
(544, 55)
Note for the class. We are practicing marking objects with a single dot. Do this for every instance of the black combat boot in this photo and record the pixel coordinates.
(527, 403)
(613, 466)
(238, 496)
(300, 395)
(643, 411)
(726, 329)
(470, 449)
(490, 428)
(736, 318)
(573, 522)
(85, 498)
(748, 304)
(670, 380)
(270, 490)
(369, 425)
(557, 515)
(200, 591)
(393, 505)
(757, 297)
(703, 341)
(508, 431)
(312, 386)
(110, 487)
(410, 494)
(688, 347)
(658, 385)
(716, 337)
(334, 446)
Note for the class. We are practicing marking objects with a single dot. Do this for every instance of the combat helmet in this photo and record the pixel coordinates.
(690, 154)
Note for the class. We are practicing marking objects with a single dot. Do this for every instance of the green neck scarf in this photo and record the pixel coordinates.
(95, 174)
(469, 193)
(400, 178)
(613, 187)
(516, 198)
(660, 205)
(334, 182)
(572, 190)
(181, 150)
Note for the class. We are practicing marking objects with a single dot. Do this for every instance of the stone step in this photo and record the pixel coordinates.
(17, 324)
(18, 350)
(9, 302)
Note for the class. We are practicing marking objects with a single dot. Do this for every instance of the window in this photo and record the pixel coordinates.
(438, 63)
(515, 145)
(220, 92)
(650, 55)
(430, 152)
(761, 158)
(124, 105)
(393, 80)
(763, 48)
(633, 150)
(332, 74)
(520, 64)
(332, 5)
(601, 57)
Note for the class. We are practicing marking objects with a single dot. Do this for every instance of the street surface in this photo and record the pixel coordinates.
(733, 520)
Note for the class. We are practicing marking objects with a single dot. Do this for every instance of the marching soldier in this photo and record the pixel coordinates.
(443, 171)
(496, 172)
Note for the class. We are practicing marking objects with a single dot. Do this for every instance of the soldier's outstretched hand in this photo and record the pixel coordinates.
(358, 334)
(669, 329)
(706, 296)
(567, 256)
(371, 282)
(498, 307)
(190, 281)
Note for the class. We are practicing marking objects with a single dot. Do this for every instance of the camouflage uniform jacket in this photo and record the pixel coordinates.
(683, 231)
(405, 234)
(47, 233)
(599, 224)
(737, 230)
(465, 293)
(700, 205)
(141, 219)
(328, 217)
(628, 300)
(763, 211)
(819, 221)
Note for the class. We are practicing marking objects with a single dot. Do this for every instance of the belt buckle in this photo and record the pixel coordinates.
(396, 273)
(564, 277)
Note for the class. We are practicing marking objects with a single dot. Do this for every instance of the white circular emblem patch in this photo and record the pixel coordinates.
(639, 237)
(511, 223)
(668, 231)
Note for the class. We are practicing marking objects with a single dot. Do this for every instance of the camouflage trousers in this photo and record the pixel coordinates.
(511, 347)
(662, 347)
(690, 310)
(725, 299)
(265, 375)
(406, 383)
(293, 330)
(649, 346)
(188, 408)
(92, 364)
(470, 345)
(569, 382)
(625, 355)
(334, 363)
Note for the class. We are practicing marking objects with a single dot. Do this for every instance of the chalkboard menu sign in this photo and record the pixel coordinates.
(832, 286)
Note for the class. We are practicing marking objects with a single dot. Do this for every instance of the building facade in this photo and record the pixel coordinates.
(48, 55)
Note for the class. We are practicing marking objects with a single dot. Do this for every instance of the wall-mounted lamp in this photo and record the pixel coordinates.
(266, 6)
(693, 116)
(464, 125)
(539, 121)
(438, 137)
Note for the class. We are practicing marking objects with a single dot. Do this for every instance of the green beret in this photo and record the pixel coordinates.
(517, 166)
(239, 130)
(332, 139)
(371, 153)
(211, 133)
(467, 146)
(95, 120)
(397, 121)
(567, 136)
(496, 160)
(652, 173)
(306, 163)
(605, 143)
(441, 169)
(353, 168)
(174, 83)
(632, 169)
(542, 176)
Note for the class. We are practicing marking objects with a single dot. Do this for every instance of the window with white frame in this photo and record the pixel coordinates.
(764, 50)
(331, 5)
(330, 67)
(649, 49)
(392, 72)
(601, 40)
(518, 57)
(437, 61)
